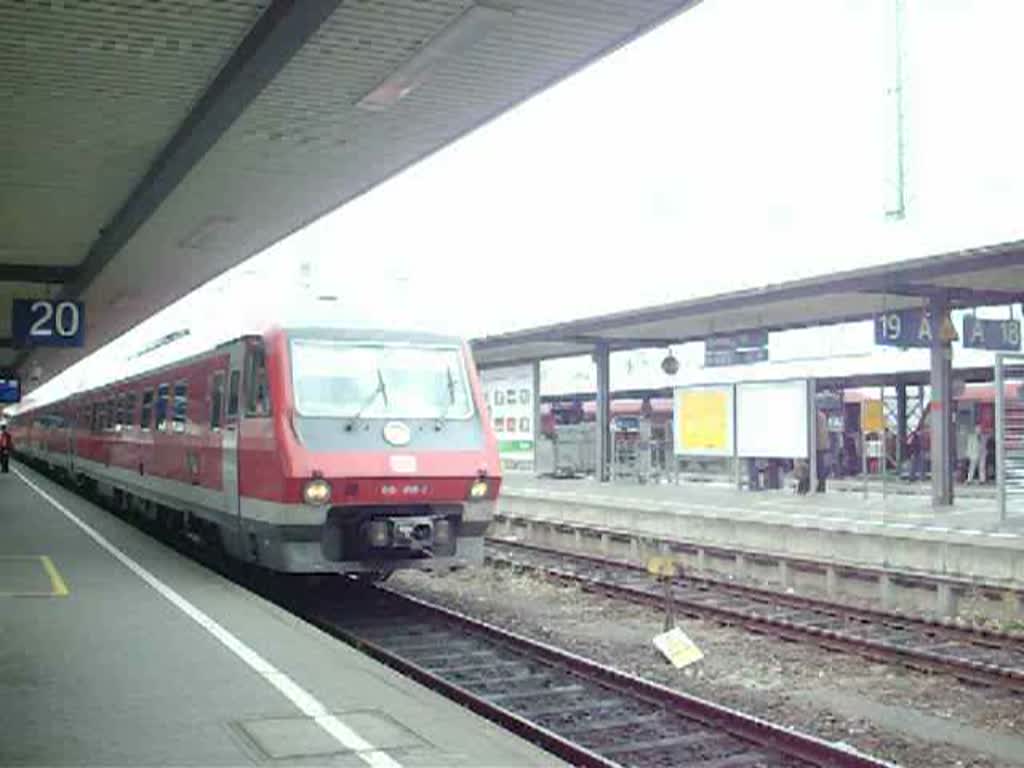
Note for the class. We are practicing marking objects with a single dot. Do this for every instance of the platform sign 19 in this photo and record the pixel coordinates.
(911, 328)
(1002, 335)
(48, 323)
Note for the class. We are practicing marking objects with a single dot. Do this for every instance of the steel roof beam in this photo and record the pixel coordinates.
(280, 32)
(32, 273)
(959, 295)
(872, 279)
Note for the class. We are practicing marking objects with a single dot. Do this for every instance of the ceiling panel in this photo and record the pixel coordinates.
(90, 92)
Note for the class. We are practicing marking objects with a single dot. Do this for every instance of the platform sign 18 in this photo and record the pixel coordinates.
(1002, 335)
(48, 323)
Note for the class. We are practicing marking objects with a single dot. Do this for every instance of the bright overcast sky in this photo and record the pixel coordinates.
(741, 144)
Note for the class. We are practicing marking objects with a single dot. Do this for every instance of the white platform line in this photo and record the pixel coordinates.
(305, 701)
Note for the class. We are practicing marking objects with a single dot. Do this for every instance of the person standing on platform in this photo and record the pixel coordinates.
(914, 453)
(6, 446)
(824, 453)
(976, 450)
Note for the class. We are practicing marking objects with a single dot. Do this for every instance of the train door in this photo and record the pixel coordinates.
(229, 440)
(70, 424)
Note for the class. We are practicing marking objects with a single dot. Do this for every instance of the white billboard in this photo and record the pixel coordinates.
(509, 393)
(772, 419)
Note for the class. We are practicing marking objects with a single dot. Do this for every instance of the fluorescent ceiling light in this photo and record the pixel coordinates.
(206, 233)
(472, 26)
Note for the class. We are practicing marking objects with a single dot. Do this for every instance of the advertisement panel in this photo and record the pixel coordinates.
(872, 417)
(703, 421)
(509, 394)
(772, 420)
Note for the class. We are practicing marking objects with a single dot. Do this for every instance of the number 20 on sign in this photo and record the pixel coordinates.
(48, 323)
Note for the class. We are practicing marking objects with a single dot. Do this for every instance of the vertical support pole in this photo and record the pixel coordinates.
(895, 203)
(831, 581)
(785, 574)
(885, 590)
(883, 459)
(812, 425)
(1001, 437)
(602, 358)
(901, 422)
(941, 418)
(945, 600)
(863, 452)
(536, 416)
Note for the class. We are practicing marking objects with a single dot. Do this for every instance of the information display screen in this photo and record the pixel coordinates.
(10, 391)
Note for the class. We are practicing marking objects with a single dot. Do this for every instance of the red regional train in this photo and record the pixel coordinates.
(301, 450)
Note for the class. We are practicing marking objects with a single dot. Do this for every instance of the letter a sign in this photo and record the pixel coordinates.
(1003, 335)
(924, 329)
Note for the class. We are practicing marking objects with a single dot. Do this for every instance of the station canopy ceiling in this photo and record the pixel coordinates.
(971, 278)
(146, 147)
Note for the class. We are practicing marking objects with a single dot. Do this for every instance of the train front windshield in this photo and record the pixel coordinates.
(338, 379)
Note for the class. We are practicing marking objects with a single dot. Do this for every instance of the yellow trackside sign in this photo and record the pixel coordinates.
(678, 648)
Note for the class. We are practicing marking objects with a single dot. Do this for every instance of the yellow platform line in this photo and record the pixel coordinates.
(60, 589)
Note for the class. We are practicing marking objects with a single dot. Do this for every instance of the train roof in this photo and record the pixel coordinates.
(172, 354)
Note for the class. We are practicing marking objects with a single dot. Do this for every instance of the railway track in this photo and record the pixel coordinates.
(585, 713)
(977, 656)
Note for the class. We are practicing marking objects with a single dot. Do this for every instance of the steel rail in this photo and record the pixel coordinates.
(879, 635)
(619, 718)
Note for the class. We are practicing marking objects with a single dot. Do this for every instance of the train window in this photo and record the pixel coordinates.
(180, 415)
(111, 413)
(162, 393)
(257, 401)
(119, 418)
(147, 409)
(217, 400)
(94, 422)
(233, 388)
(129, 409)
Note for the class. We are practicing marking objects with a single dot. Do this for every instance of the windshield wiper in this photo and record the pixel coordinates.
(381, 390)
(442, 417)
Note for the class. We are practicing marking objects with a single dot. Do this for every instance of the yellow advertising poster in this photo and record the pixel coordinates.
(703, 421)
(871, 419)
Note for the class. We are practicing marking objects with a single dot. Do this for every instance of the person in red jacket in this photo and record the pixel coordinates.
(6, 446)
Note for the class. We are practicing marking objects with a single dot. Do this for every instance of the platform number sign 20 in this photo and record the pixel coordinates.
(48, 323)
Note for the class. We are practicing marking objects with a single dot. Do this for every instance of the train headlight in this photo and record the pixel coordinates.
(479, 489)
(316, 492)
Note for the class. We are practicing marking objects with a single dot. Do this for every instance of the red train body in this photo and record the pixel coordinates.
(301, 450)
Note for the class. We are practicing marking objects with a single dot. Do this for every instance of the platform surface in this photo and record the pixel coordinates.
(967, 542)
(117, 651)
(894, 508)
